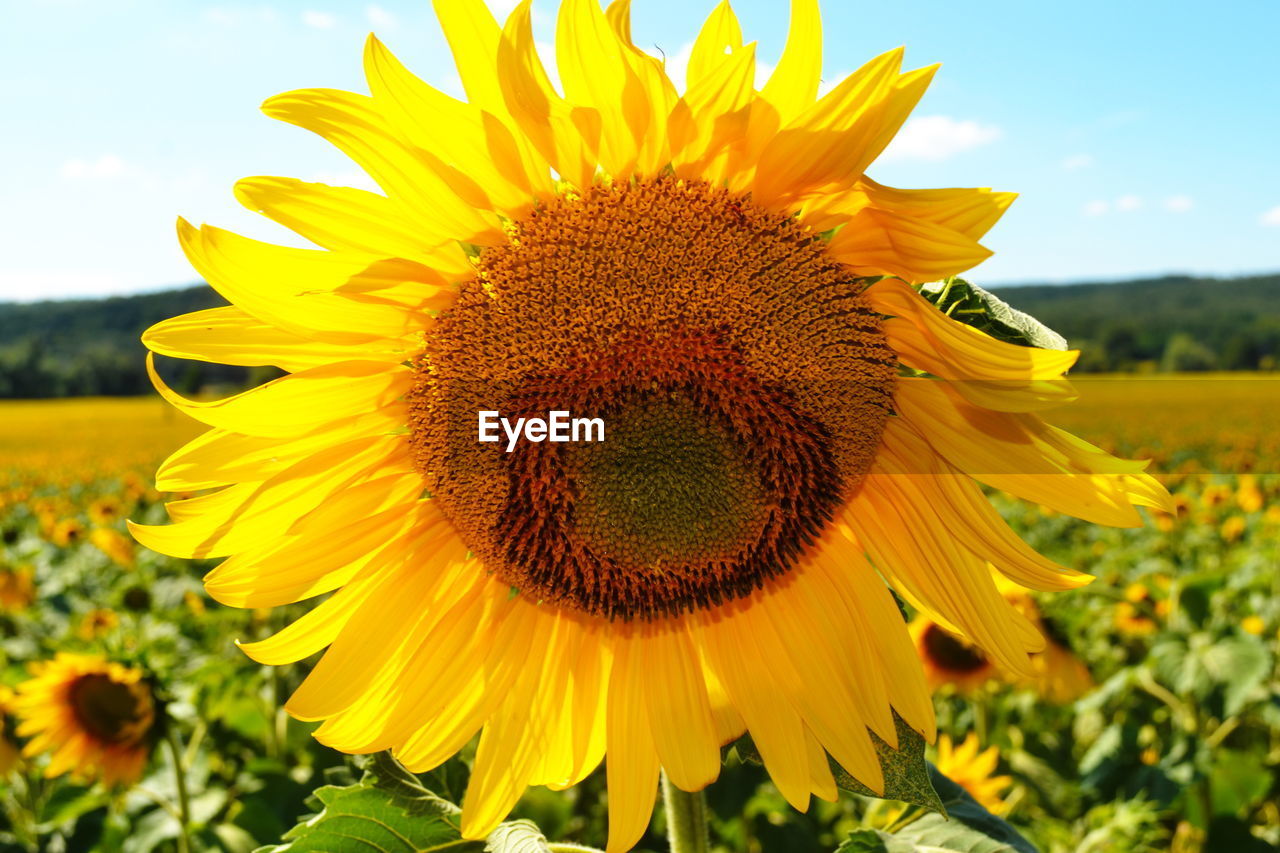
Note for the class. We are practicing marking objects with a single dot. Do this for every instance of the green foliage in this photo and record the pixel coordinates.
(1119, 326)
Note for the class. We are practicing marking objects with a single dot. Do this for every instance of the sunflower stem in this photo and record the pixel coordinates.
(180, 780)
(687, 830)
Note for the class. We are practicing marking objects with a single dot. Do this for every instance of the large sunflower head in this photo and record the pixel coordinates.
(95, 718)
(713, 277)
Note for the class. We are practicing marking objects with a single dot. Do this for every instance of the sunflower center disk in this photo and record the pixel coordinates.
(111, 711)
(742, 379)
(950, 653)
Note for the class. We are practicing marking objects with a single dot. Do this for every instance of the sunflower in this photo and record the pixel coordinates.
(97, 623)
(116, 546)
(96, 718)
(10, 753)
(1139, 613)
(713, 275)
(17, 588)
(1060, 676)
(971, 770)
(948, 659)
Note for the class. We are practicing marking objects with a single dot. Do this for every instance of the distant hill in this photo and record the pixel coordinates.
(90, 346)
(81, 347)
(1173, 323)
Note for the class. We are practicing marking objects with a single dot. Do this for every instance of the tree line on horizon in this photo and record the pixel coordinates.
(90, 347)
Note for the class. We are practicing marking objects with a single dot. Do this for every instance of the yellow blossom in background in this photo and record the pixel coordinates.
(114, 544)
(106, 511)
(17, 588)
(67, 532)
(10, 753)
(1233, 528)
(948, 660)
(195, 603)
(97, 623)
(1249, 496)
(972, 770)
(1253, 625)
(95, 719)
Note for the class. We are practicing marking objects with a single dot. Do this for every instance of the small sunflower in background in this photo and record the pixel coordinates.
(66, 533)
(106, 511)
(10, 752)
(714, 275)
(115, 545)
(17, 588)
(972, 770)
(1139, 614)
(97, 623)
(1060, 676)
(948, 660)
(96, 719)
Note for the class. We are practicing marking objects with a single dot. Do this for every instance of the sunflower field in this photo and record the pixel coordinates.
(1154, 725)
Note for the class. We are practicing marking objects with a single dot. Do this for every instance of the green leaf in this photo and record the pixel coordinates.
(973, 306)
(964, 809)
(386, 774)
(874, 841)
(517, 836)
(1239, 780)
(935, 834)
(906, 773)
(390, 810)
(366, 819)
(1240, 665)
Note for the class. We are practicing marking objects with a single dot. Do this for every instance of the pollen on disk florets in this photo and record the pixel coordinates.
(743, 380)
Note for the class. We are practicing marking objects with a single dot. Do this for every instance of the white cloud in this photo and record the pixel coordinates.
(26, 285)
(380, 18)
(105, 167)
(319, 20)
(939, 137)
(1178, 203)
(1077, 161)
(1097, 207)
(1271, 217)
(1128, 203)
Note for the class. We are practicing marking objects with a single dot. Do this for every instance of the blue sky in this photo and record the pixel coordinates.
(1143, 136)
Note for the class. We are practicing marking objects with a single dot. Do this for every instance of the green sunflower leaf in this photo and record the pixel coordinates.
(966, 302)
(391, 810)
(370, 819)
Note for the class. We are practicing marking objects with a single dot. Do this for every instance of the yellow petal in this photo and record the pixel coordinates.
(881, 242)
(340, 218)
(478, 146)
(566, 136)
(597, 72)
(632, 767)
(815, 151)
(297, 290)
(720, 37)
(300, 402)
(679, 713)
(230, 336)
(792, 87)
(358, 127)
